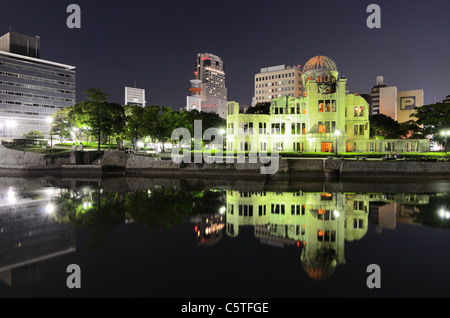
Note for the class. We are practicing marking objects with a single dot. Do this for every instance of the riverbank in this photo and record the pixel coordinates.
(116, 163)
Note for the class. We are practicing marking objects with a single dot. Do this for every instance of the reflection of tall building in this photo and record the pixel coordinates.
(387, 210)
(318, 222)
(209, 229)
(29, 235)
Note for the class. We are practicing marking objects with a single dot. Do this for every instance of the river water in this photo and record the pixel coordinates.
(168, 238)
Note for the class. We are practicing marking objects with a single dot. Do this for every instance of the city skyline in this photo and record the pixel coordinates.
(154, 44)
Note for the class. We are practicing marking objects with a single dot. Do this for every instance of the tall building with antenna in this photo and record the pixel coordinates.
(194, 102)
(210, 70)
(208, 88)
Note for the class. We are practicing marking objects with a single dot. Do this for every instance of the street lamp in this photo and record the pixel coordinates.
(337, 133)
(445, 134)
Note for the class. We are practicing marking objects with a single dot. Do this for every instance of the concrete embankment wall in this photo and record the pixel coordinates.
(16, 157)
(398, 169)
(148, 166)
(19, 163)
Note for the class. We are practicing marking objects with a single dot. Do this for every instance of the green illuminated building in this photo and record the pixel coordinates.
(325, 119)
(320, 223)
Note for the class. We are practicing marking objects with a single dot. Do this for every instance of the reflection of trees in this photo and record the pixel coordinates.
(433, 213)
(98, 212)
(94, 211)
(208, 202)
(160, 208)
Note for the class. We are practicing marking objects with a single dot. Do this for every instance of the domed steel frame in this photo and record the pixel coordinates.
(320, 62)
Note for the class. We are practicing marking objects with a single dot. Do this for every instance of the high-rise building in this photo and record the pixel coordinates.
(31, 89)
(194, 102)
(208, 89)
(135, 96)
(399, 105)
(277, 81)
(22, 44)
(375, 105)
(211, 71)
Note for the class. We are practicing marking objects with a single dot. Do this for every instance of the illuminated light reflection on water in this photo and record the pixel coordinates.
(170, 238)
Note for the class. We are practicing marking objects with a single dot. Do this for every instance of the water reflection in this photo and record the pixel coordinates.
(29, 233)
(41, 224)
(319, 223)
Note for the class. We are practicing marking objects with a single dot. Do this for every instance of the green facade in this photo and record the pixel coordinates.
(325, 119)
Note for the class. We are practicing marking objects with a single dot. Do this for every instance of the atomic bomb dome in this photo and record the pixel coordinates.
(320, 63)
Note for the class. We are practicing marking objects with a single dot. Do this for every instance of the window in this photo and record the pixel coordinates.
(262, 128)
(326, 197)
(231, 109)
(321, 106)
(278, 129)
(359, 130)
(248, 128)
(263, 146)
(231, 128)
(328, 106)
(278, 146)
(322, 128)
(327, 147)
(359, 111)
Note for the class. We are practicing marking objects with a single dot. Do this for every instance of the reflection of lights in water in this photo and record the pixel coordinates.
(87, 205)
(214, 228)
(50, 208)
(50, 192)
(11, 197)
(444, 214)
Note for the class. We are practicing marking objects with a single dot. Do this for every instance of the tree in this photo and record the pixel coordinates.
(33, 134)
(161, 122)
(61, 125)
(95, 112)
(411, 130)
(134, 128)
(260, 108)
(385, 126)
(434, 118)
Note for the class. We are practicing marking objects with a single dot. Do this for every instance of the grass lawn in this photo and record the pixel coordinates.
(46, 151)
(91, 145)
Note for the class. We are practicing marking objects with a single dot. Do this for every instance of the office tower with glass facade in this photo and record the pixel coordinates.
(31, 89)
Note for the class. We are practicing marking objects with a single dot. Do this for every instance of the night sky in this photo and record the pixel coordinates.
(154, 43)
